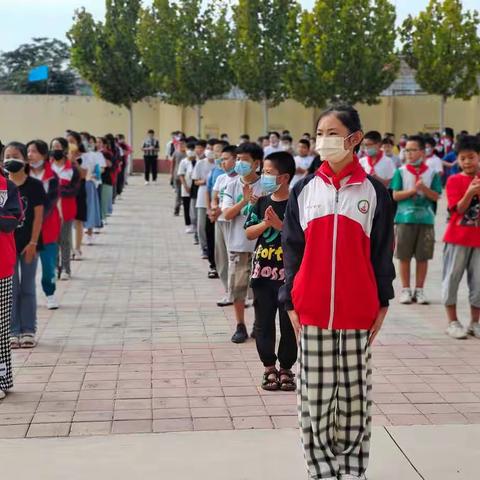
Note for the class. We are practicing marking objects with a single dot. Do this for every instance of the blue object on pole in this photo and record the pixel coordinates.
(38, 74)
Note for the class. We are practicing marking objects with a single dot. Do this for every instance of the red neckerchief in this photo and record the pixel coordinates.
(417, 171)
(372, 163)
(346, 172)
(48, 172)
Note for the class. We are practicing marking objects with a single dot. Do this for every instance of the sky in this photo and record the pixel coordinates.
(24, 19)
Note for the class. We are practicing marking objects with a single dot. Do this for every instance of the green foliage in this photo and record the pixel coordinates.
(443, 46)
(15, 66)
(187, 49)
(265, 33)
(106, 54)
(346, 52)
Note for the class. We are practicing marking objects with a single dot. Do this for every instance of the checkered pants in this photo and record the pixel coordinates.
(6, 379)
(334, 398)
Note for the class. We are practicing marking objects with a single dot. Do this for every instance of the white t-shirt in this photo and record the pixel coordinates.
(303, 163)
(201, 172)
(435, 163)
(186, 169)
(268, 150)
(89, 162)
(384, 168)
(237, 240)
(220, 186)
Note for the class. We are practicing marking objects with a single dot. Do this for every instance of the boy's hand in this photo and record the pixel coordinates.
(377, 324)
(253, 199)
(297, 327)
(420, 186)
(247, 192)
(474, 187)
(272, 219)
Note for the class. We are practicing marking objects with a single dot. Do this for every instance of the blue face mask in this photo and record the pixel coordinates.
(371, 151)
(231, 171)
(218, 162)
(269, 183)
(243, 168)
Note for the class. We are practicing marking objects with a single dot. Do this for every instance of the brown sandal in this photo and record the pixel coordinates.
(270, 380)
(287, 380)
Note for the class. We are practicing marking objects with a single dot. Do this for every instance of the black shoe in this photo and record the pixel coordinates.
(212, 273)
(240, 335)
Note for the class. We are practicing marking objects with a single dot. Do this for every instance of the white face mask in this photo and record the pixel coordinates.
(210, 154)
(332, 148)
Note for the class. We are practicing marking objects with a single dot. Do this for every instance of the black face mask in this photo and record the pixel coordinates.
(13, 165)
(57, 154)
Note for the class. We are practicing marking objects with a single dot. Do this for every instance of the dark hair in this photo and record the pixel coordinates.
(224, 135)
(62, 141)
(374, 136)
(307, 134)
(315, 165)
(78, 140)
(287, 138)
(305, 142)
(430, 141)
(468, 143)
(388, 141)
(286, 132)
(212, 141)
(464, 132)
(389, 134)
(151, 131)
(201, 143)
(223, 143)
(23, 150)
(41, 146)
(191, 145)
(191, 139)
(449, 131)
(284, 163)
(419, 139)
(274, 133)
(110, 141)
(120, 136)
(252, 149)
(245, 136)
(262, 138)
(230, 149)
(347, 115)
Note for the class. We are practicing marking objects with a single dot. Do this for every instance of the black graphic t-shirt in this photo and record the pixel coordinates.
(268, 256)
(32, 194)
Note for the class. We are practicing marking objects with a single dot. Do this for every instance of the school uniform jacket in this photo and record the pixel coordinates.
(11, 212)
(69, 184)
(338, 248)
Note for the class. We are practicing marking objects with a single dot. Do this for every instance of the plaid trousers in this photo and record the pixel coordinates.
(334, 399)
(6, 297)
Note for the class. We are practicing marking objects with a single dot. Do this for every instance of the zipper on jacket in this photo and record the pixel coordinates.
(334, 262)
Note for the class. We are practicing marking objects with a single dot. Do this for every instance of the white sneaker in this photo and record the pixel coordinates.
(147, 183)
(190, 229)
(96, 231)
(65, 276)
(420, 297)
(406, 296)
(456, 330)
(76, 255)
(474, 330)
(89, 239)
(2, 394)
(52, 303)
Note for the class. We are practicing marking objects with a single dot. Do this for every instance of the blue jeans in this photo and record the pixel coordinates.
(48, 257)
(24, 307)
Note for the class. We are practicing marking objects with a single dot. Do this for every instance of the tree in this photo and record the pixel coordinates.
(107, 56)
(263, 36)
(16, 64)
(187, 49)
(443, 46)
(345, 53)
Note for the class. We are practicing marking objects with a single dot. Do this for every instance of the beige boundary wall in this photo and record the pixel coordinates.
(24, 117)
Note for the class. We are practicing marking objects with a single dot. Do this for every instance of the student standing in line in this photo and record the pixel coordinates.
(106, 194)
(264, 224)
(10, 215)
(388, 148)
(185, 170)
(375, 162)
(416, 188)
(28, 241)
(69, 183)
(238, 199)
(337, 241)
(461, 252)
(303, 160)
(177, 157)
(40, 168)
(150, 149)
(274, 143)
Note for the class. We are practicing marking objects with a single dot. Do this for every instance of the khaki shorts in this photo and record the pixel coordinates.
(239, 269)
(415, 240)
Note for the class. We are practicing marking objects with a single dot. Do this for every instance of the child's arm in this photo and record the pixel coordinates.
(472, 190)
(428, 192)
(254, 231)
(231, 210)
(399, 195)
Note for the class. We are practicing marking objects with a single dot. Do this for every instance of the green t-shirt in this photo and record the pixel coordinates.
(418, 209)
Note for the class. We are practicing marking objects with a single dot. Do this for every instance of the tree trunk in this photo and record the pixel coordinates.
(266, 120)
(443, 101)
(130, 140)
(199, 121)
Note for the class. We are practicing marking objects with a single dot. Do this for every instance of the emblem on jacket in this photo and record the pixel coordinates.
(363, 206)
(3, 197)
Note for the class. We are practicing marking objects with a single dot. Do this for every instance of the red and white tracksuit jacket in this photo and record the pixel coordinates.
(338, 248)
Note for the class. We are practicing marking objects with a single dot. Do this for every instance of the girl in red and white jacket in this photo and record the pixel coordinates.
(69, 183)
(337, 240)
(10, 215)
(40, 168)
